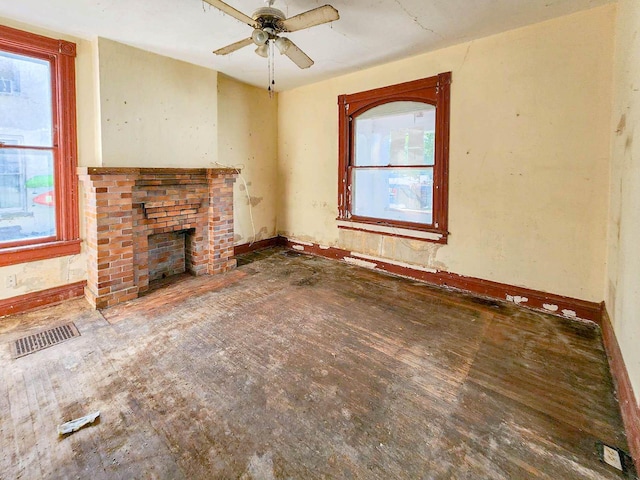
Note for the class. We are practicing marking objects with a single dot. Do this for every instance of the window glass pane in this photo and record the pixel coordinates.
(396, 133)
(25, 100)
(27, 198)
(402, 194)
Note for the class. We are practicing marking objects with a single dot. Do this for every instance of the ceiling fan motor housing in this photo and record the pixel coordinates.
(269, 17)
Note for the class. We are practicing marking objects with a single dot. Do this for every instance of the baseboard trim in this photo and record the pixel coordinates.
(626, 398)
(546, 302)
(259, 245)
(44, 298)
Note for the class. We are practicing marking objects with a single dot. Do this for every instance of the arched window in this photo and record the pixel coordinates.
(394, 149)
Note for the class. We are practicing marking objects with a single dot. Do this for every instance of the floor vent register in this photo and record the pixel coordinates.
(41, 340)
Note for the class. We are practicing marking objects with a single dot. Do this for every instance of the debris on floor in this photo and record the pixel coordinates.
(77, 424)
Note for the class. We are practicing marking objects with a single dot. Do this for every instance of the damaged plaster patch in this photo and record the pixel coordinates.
(622, 124)
(300, 248)
(517, 299)
(360, 263)
(254, 201)
(323, 247)
(550, 307)
(569, 313)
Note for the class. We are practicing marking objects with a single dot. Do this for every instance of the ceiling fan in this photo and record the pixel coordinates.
(268, 23)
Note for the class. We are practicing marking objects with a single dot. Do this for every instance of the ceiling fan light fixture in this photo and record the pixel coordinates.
(283, 44)
(263, 50)
(291, 50)
(259, 37)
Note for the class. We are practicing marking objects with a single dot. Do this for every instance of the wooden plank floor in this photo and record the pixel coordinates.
(298, 367)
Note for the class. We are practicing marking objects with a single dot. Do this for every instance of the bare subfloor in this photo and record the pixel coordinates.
(299, 367)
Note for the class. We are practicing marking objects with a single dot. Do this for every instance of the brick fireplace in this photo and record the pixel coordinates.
(143, 224)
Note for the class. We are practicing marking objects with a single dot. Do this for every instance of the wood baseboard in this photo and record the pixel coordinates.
(259, 245)
(546, 302)
(626, 398)
(32, 301)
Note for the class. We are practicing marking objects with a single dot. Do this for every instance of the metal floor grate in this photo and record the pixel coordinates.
(38, 341)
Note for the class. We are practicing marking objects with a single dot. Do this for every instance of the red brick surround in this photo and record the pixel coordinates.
(124, 206)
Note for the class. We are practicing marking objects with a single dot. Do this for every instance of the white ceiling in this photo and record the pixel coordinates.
(369, 32)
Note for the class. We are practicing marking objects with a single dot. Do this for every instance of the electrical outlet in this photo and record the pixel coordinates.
(612, 457)
(617, 458)
(11, 281)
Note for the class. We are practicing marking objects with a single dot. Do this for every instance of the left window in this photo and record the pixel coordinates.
(38, 183)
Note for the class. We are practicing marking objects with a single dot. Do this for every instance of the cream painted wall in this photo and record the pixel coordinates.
(247, 139)
(44, 274)
(530, 146)
(623, 281)
(155, 111)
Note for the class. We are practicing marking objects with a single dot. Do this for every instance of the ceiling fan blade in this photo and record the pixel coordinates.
(233, 47)
(311, 18)
(291, 50)
(229, 10)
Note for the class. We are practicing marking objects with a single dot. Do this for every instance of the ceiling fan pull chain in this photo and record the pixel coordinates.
(272, 69)
(269, 60)
(273, 65)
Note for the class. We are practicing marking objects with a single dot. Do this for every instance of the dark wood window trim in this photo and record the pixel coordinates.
(61, 55)
(435, 91)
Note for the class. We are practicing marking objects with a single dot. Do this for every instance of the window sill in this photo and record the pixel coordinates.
(401, 232)
(43, 251)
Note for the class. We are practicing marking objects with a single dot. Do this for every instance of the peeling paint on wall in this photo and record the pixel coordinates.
(550, 307)
(300, 248)
(300, 242)
(360, 263)
(395, 262)
(517, 299)
(569, 313)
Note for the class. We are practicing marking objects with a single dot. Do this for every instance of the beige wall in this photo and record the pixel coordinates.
(44, 274)
(247, 139)
(623, 279)
(155, 111)
(529, 147)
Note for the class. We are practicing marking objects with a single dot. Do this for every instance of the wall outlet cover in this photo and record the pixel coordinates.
(618, 459)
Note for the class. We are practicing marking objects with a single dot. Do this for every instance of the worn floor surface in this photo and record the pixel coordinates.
(298, 367)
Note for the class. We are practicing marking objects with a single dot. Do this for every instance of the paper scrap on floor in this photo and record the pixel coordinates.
(77, 424)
